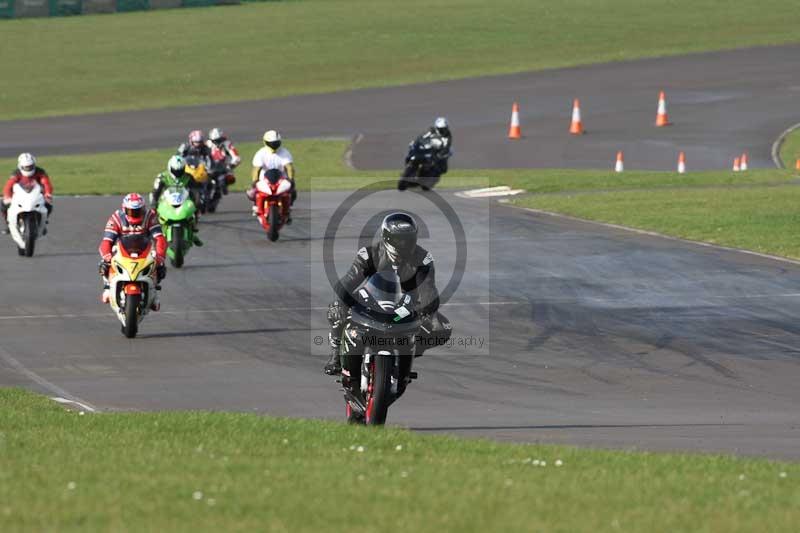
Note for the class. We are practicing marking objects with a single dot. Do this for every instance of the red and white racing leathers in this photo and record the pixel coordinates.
(119, 225)
(39, 176)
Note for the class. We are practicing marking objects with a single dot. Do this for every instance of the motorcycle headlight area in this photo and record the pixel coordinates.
(176, 199)
(120, 270)
(146, 270)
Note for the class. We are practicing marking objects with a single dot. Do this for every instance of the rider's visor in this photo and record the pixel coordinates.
(29, 168)
(134, 214)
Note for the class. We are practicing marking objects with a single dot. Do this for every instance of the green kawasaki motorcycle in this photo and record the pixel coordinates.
(176, 213)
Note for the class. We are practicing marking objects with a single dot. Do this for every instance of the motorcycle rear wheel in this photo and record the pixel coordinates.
(378, 400)
(131, 327)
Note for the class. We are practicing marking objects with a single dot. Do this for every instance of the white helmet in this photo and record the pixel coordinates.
(216, 135)
(26, 164)
(272, 139)
(440, 123)
(176, 166)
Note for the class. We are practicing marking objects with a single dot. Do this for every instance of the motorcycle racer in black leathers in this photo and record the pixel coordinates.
(397, 249)
(440, 130)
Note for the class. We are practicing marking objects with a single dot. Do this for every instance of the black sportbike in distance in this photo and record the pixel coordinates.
(378, 347)
(423, 163)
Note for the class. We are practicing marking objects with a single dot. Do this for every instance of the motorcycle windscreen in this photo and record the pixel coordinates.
(176, 196)
(384, 289)
(135, 245)
(28, 187)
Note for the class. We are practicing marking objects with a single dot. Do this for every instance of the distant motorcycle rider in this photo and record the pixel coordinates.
(26, 174)
(217, 140)
(271, 156)
(440, 130)
(133, 218)
(397, 249)
(196, 147)
(176, 175)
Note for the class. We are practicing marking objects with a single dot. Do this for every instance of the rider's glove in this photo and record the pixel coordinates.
(103, 266)
(107, 258)
(6, 200)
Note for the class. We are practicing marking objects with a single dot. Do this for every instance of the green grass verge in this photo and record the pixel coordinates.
(763, 219)
(790, 149)
(198, 56)
(199, 471)
(320, 166)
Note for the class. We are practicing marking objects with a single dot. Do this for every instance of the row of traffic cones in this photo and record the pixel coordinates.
(576, 124)
(619, 166)
(739, 163)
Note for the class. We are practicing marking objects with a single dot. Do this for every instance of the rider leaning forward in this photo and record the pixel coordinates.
(271, 156)
(132, 218)
(396, 250)
(26, 174)
(176, 175)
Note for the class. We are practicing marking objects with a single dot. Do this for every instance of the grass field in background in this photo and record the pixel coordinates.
(199, 471)
(198, 56)
(320, 165)
(763, 219)
(790, 149)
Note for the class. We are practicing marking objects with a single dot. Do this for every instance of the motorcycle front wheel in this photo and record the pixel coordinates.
(29, 232)
(177, 247)
(378, 396)
(273, 218)
(131, 326)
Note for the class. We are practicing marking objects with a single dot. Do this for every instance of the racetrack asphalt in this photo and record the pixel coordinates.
(721, 103)
(591, 335)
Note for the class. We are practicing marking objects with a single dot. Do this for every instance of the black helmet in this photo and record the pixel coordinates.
(399, 236)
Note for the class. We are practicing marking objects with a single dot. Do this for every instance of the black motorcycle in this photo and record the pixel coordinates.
(422, 164)
(377, 349)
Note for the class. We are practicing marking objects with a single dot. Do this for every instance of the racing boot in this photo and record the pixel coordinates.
(334, 365)
(105, 297)
(156, 305)
(196, 240)
(47, 220)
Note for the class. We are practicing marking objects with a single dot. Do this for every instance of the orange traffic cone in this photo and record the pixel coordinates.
(736, 164)
(797, 165)
(681, 163)
(576, 126)
(514, 131)
(743, 166)
(620, 164)
(661, 116)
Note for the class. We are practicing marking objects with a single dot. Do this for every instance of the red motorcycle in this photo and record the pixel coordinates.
(273, 202)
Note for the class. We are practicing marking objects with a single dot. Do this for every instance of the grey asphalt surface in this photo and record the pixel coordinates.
(721, 103)
(591, 336)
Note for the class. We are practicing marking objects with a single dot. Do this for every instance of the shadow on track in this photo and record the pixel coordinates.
(190, 334)
(569, 426)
